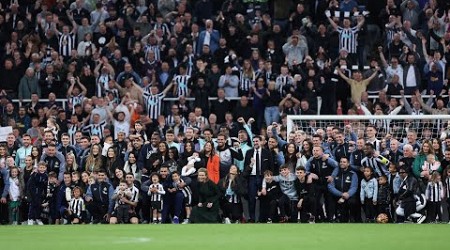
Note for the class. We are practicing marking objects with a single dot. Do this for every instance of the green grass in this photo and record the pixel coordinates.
(236, 237)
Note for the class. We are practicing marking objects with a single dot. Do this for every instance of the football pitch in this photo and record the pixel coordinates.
(236, 237)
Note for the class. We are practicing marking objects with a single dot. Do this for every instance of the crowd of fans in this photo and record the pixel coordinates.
(127, 146)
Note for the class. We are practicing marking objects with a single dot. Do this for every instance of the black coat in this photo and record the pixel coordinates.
(408, 189)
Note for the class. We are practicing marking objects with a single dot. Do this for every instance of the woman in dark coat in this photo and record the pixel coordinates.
(207, 209)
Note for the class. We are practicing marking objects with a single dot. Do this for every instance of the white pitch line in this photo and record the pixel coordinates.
(131, 240)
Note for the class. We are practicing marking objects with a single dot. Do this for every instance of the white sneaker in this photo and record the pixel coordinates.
(227, 221)
(421, 219)
(30, 222)
(185, 221)
(39, 222)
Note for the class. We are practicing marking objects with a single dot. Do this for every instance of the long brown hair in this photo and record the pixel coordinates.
(430, 146)
(212, 153)
(96, 161)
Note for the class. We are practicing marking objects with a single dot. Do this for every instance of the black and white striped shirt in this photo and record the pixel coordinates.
(153, 104)
(164, 27)
(74, 100)
(102, 84)
(348, 39)
(182, 85)
(71, 131)
(435, 191)
(76, 205)
(67, 43)
(156, 196)
(378, 164)
(283, 81)
(95, 129)
(186, 190)
(190, 64)
(245, 81)
(170, 120)
(156, 50)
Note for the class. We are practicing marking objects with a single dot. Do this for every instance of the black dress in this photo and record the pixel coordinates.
(208, 192)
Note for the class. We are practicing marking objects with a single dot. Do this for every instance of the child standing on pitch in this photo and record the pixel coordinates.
(434, 194)
(384, 197)
(37, 187)
(369, 193)
(156, 192)
(16, 186)
(121, 209)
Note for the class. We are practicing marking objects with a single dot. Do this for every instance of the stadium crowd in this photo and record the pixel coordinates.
(129, 145)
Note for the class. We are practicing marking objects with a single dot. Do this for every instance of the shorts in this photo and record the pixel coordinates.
(187, 201)
(157, 205)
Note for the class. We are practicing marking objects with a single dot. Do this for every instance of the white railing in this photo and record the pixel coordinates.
(190, 99)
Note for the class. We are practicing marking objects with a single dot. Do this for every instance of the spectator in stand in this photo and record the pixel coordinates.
(229, 82)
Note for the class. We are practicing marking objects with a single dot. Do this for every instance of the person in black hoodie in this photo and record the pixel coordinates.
(305, 190)
(233, 187)
(269, 198)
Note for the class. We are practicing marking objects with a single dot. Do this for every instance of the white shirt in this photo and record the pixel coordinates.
(411, 78)
(121, 127)
(254, 157)
(390, 71)
(14, 190)
(207, 38)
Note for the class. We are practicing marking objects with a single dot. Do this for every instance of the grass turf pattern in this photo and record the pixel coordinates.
(249, 236)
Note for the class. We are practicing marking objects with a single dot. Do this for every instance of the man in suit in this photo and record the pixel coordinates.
(257, 160)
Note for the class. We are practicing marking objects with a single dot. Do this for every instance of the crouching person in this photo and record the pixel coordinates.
(288, 201)
(305, 190)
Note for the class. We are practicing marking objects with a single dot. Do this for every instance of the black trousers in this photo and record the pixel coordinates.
(345, 211)
(369, 209)
(97, 210)
(308, 207)
(4, 219)
(433, 210)
(232, 210)
(322, 192)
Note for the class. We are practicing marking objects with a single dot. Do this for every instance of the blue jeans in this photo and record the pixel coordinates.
(271, 114)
